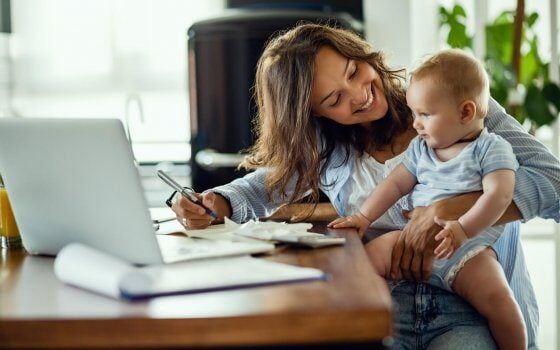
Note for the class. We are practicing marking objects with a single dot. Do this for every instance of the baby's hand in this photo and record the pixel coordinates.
(452, 237)
(358, 221)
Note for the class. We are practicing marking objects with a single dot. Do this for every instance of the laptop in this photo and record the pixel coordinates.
(74, 180)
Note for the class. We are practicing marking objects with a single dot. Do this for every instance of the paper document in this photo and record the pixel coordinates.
(90, 269)
(179, 248)
(271, 231)
(162, 214)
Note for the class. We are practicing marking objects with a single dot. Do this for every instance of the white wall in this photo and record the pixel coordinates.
(404, 29)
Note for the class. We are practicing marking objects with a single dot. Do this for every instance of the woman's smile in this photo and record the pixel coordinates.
(368, 105)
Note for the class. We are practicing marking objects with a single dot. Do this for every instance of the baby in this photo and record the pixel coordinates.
(454, 154)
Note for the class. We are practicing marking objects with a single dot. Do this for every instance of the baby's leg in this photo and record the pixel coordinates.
(483, 284)
(379, 251)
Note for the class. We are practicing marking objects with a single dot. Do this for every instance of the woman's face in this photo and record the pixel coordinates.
(345, 90)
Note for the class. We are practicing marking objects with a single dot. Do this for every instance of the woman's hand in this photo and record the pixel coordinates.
(413, 253)
(193, 216)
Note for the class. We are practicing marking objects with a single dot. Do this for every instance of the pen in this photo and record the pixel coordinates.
(160, 221)
(184, 192)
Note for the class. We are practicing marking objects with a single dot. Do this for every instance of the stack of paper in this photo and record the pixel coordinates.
(258, 231)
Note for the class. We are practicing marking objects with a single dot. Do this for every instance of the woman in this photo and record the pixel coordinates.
(333, 116)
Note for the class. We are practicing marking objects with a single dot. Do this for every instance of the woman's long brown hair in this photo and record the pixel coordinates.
(287, 135)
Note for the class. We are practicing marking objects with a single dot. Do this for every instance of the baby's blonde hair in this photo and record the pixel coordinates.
(460, 74)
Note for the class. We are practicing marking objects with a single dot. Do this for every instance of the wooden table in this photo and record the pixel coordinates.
(353, 307)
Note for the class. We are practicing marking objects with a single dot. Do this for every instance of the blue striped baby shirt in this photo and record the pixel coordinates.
(462, 174)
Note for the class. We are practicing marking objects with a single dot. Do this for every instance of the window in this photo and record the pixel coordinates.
(108, 58)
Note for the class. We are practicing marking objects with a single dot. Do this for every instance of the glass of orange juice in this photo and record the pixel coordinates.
(9, 233)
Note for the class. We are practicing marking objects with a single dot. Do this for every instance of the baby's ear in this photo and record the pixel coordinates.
(468, 111)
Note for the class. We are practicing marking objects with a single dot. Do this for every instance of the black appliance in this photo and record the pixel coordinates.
(222, 55)
(353, 7)
(5, 17)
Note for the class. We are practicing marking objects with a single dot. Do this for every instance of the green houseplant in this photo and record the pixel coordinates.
(526, 90)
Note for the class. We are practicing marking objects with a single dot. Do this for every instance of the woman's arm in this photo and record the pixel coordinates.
(497, 194)
(454, 207)
(248, 197)
(418, 235)
(491, 205)
(241, 200)
(322, 212)
(537, 180)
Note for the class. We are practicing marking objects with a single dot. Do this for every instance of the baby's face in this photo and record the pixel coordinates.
(437, 115)
(345, 90)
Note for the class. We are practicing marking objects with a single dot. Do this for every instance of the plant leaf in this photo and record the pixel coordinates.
(455, 20)
(551, 92)
(539, 103)
(444, 17)
(537, 107)
(459, 11)
(531, 19)
(504, 17)
(458, 36)
(499, 41)
(529, 67)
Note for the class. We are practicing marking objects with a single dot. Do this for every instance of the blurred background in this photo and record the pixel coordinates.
(136, 59)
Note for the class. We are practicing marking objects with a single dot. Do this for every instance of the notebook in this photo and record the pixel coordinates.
(90, 269)
(74, 180)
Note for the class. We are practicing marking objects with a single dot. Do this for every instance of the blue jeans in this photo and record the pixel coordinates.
(427, 317)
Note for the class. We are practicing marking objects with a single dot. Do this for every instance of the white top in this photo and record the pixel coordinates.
(367, 174)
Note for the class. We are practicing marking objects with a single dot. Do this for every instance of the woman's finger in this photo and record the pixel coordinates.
(396, 257)
(196, 224)
(187, 205)
(416, 266)
(208, 199)
(191, 209)
(189, 214)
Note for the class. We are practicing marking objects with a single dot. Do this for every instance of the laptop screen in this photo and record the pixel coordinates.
(74, 180)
